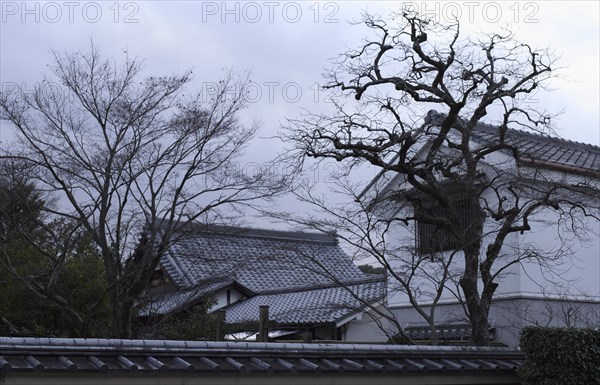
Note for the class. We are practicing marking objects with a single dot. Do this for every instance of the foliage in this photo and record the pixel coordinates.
(24, 313)
(558, 356)
(191, 324)
(23, 310)
(370, 269)
(20, 202)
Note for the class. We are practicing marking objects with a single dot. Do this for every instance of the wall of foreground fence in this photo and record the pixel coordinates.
(132, 362)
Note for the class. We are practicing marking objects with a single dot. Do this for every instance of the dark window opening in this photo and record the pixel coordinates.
(434, 237)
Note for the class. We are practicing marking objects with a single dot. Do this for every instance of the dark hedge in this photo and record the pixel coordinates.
(560, 356)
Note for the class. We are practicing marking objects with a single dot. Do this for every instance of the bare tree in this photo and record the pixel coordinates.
(369, 236)
(455, 188)
(130, 160)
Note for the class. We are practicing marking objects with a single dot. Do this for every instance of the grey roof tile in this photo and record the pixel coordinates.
(81, 356)
(297, 274)
(537, 147)
(167, 301)
(261, 263)
(318, 306)
(545, 148)
(575, 156)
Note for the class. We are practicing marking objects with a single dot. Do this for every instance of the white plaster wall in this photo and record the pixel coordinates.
(366, 329)
(402, 239)
(510, 315)
(400, 250)
(575, 274)
(220, 298)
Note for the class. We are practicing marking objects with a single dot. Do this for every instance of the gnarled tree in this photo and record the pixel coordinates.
(457, 181)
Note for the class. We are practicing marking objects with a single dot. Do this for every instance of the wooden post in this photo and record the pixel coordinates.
(307, 336)
(220, 332)
(263, 324)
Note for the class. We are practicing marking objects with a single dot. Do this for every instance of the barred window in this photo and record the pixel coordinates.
(432, 238)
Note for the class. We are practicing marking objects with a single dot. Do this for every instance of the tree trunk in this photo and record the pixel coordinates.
(478, 316)
(478, 311)
(434, 339)
(479, 326)
(121, 316)
(125, 321)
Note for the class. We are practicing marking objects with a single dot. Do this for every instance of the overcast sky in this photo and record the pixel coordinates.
(287, 45)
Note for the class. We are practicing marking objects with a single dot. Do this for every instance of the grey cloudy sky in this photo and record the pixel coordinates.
(286, 46)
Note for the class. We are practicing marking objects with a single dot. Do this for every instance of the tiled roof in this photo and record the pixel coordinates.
(547, 149)
(541, 150)
(319, 306)
(260, 260)
(85, 356)
(170, 300)
(299, 275)
(166, 301)
(537, 147)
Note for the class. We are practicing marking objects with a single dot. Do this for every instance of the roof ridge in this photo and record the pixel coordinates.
(253, 232)
(116, 345)
(333, 285)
